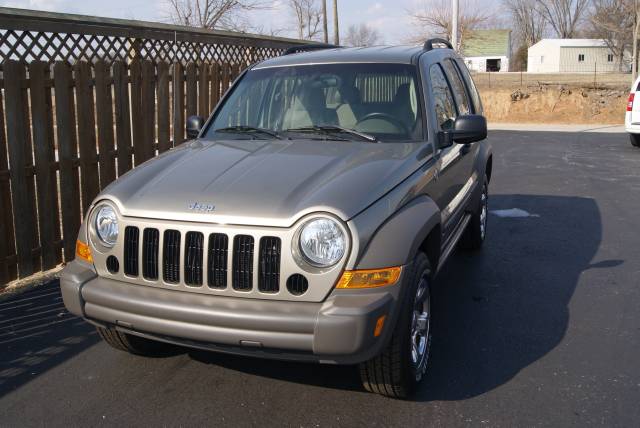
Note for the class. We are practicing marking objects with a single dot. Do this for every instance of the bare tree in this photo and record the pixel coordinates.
(309, 20)
(564, 16)
(214, 14)
(433, 18)
(362, 35)
(614, 22)
(528, 26)
(528, 23)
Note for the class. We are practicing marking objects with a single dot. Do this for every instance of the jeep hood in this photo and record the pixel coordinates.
(263, 182)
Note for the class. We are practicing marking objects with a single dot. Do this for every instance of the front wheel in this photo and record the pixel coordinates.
(400, 367)
(635, 139)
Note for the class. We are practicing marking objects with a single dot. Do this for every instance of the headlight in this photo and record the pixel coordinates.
(322, 242)
(106, 224)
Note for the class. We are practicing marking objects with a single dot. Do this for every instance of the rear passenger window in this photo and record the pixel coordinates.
(475, 96)
(459, 91)
(442, 99)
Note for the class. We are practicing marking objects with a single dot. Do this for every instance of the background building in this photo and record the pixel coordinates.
(488, 50)
(572, 56)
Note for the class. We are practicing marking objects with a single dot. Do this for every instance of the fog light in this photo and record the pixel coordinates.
(83, 252)
(369, 278)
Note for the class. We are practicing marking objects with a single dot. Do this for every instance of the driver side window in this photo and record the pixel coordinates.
(443, 103)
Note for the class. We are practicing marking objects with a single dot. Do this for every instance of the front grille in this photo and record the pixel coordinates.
(197, 258)
(193, 253)
(150, 247)
(131, 237)
(243, 262)
(171, 256)
(218, 258)
(269, 265)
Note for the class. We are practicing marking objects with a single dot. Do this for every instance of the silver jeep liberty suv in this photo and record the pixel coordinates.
(305, 220)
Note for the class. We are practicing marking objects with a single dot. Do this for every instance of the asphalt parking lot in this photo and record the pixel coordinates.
(541, 328)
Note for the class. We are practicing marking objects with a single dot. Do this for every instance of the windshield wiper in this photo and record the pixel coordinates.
(332, 129)
(249, 130)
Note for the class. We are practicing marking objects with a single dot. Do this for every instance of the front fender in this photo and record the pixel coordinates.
(397, 240)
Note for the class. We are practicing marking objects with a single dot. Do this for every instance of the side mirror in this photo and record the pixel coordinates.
(469, 129)
(194, 126)
(466, 129)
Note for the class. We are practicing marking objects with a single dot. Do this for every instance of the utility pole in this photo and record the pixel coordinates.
(325, 26)
(455, 10)
(336, 26)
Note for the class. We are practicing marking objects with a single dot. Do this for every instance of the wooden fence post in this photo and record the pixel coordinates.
(137, 127)
(123, 118)
(215, 85)
(164, 107)
(178, 104)
(7, 242)
(44, 160)
(86, 134)
(19, 141)
(192, 90)
(203, 90)
(148, 98)
(68, 155)
(104, 113)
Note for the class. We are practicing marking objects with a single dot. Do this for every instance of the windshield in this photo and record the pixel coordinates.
(375, 100)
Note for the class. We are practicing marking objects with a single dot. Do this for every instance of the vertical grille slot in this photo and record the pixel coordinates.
(217, 264)
(193, 252)
(131, 238)
(171, 256)
(269, 265)
(150, 246)
(243, 262)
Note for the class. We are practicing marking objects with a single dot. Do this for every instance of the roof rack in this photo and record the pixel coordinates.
(308, 48)
(428, 45)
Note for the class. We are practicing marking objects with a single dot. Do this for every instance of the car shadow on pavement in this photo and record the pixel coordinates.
(37, 334)
(498, 311)
(495, 311)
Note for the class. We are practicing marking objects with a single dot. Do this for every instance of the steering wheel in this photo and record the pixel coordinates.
(387, 118)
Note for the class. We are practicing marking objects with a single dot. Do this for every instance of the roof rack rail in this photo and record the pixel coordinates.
(428, 45)
(308, 48)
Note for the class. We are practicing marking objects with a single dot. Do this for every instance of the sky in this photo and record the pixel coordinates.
(388, 16)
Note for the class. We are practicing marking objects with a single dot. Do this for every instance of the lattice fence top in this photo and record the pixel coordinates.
(29, 36)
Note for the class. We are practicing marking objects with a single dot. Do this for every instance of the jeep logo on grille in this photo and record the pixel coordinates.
(198, 206)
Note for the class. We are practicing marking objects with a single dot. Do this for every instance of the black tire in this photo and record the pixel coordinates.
(134, 344)
(394, 372)
(635, 139)
(476, 231)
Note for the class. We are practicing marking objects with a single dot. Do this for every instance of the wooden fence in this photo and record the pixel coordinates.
(70, 123)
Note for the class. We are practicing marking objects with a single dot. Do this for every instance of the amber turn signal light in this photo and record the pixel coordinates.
(83, 252)
(370, 278)
(379, 324)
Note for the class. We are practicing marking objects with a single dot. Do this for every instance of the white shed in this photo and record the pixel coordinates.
(572, 56)
(487, 50)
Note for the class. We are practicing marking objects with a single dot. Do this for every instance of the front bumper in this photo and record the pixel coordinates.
(339, 330)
